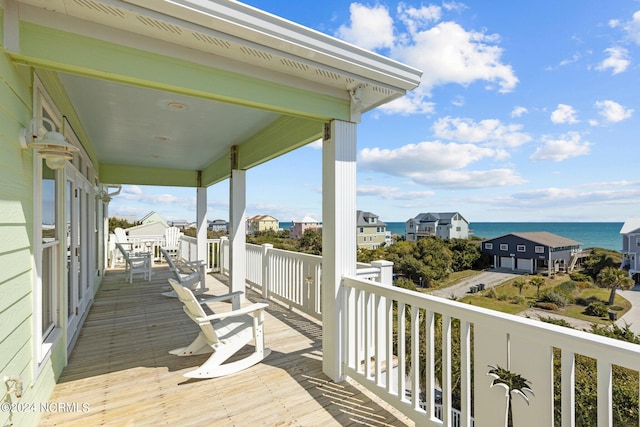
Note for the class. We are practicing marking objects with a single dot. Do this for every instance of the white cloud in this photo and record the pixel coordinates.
(392, 193)
(612, 111)
(632, 28)
(370, 27)
(418, 18)
(444, 51)
(438, 164)
(447, 53)
(564, 114)
(518, 111)
(556, 197)
(490, 132)
(618, 60)
(562, 148)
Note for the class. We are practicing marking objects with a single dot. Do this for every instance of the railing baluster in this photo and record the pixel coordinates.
(446, 370)
(389, 344)
(402, 366)
(465, 374)
(605, 401)
(568, 397)
(415, 357)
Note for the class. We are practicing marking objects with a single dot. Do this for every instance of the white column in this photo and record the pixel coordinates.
(201, 208)
(338, 238)
(237, 234)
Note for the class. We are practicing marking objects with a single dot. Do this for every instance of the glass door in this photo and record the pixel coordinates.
(77, 219)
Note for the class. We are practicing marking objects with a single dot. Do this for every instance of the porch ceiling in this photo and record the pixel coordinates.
(159, 96)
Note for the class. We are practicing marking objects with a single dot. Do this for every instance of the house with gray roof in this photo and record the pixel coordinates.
(630, 232)
(371, 233)
(446, 225)
(533, 252)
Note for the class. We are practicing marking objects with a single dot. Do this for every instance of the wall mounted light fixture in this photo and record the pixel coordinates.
(51, 146)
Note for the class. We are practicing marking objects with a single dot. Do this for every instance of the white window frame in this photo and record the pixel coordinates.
(45, 341)
(539, 249)
(504, 246)
(488, 245)
(521, 248)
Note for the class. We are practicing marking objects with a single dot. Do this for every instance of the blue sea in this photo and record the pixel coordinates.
(590, 234)
(604, 235)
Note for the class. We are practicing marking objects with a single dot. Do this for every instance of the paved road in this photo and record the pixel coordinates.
(631, 317)
(490, 278)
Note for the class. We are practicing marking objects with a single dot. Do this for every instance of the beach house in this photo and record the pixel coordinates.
(372, 232)
(630, 233)
(192, 93)
(299, 227)
(446, 225)
(258, 223)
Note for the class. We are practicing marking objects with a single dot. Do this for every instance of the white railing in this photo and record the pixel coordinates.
(388, 327)
(189, 251)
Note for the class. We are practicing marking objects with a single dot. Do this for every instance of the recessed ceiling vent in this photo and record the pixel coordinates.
(100, 7)
(256, 53)
(159, 25)
(327, 74)
(294, 64)
(204, 38)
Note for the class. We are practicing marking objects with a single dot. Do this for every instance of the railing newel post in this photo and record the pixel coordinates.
(266, 279)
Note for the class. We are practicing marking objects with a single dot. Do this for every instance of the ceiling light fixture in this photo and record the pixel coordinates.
(51, 146)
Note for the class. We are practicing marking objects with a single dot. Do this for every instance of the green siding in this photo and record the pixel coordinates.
(16, 247)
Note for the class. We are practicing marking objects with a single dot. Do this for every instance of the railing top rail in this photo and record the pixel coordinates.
(619, 352)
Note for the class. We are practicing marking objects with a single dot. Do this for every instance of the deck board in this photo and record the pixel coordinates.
(121, 368)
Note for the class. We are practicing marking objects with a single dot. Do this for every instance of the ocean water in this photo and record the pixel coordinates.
(590, 234)
(604, 235)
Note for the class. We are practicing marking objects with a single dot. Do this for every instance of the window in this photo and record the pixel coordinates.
(488, 245)
(539, 249)
(504, 247)
(362, 229)
(521, 248)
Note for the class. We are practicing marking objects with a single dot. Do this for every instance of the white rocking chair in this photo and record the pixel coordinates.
(189, 274)
(224, 334)
(136, 264)
(172, 241)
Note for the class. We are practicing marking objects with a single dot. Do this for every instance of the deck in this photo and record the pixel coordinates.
(122, 374)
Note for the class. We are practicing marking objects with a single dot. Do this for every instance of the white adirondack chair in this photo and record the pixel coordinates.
(189, 274)
(135, 264)
(119, 236)
(223, 334)
(172, 240)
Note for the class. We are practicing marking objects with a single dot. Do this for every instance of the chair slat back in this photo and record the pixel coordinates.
(121, 235)
(194, 310)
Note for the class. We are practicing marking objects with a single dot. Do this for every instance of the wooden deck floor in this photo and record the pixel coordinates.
(122, 372)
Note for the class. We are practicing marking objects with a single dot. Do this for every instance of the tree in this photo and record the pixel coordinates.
(538, 282)
(512, 383)
(311, 241)
(613, 278)
(519, 284)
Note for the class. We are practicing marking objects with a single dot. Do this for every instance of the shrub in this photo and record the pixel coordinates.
(559, 322)
(581, 277)
(596, 309)
(584, 285)
(492, 293)
(519, 299)
(554, 297)
(502, 297)
(546, 306)
(586, 301)
(566, 287)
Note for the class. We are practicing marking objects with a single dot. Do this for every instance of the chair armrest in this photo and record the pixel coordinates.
(250, 309)
(221, 297)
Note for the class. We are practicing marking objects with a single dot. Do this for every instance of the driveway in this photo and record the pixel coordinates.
(631, 317)
(490, 278)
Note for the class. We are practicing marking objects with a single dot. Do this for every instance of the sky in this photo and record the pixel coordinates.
(526, 111)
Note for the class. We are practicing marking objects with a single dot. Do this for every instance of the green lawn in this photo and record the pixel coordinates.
(509, 300)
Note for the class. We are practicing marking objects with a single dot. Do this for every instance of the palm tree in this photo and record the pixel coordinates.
(613, 278)
(513, 383)
(519, 284)
(537, 282)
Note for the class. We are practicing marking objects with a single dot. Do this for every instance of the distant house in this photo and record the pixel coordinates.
(219, 225)
(153, 217)
(180, 223)
(147, 229)
(299, 227)
(371, 232)
(132, 219)
(533, 252)
(262, 223)
(631, 247)
(447, 225)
